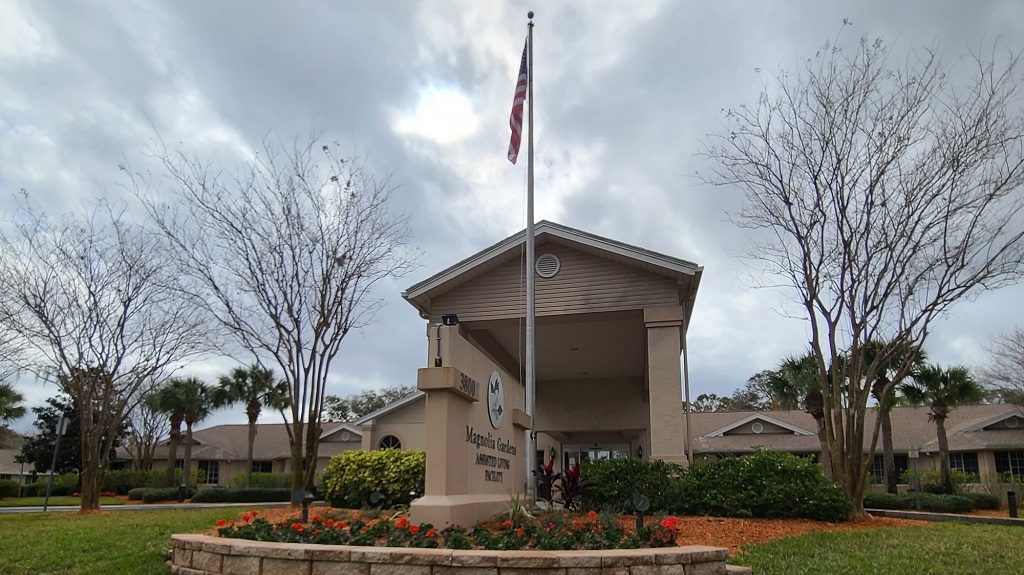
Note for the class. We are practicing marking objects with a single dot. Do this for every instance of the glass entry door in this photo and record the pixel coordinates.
(573, 454)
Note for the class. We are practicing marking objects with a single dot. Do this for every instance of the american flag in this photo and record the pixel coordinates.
(516, 119)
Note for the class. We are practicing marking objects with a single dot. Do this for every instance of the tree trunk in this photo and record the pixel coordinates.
(298, 477)
(186, 470)
(888, 459)
(826, 453)
(940, 429)
(252, 441)
(87, 477)
(172, 451)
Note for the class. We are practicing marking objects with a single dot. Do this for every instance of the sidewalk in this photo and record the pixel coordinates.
(149, 507)
(929, 516)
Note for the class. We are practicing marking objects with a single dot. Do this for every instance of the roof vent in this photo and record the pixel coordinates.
(1012, 423)
(757, 427)
(345, 436)
(547, 265)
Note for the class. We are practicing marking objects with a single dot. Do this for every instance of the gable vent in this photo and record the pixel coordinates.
(757, 427)
(547, 265)
(1012, 423)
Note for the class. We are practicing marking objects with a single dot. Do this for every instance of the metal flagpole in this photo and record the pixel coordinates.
(531, 382)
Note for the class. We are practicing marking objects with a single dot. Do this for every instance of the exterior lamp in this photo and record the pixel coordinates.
(449, 319)
(640, 451)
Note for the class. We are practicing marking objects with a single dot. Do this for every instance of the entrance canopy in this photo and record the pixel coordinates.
(589, 312)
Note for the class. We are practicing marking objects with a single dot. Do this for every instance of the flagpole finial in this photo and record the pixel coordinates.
(530, 14)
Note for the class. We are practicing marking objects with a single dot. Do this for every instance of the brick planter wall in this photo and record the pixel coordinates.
(205, 555)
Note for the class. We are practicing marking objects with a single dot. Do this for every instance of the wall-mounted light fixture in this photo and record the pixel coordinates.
(552, 452)
(640, 451)
(450, 319)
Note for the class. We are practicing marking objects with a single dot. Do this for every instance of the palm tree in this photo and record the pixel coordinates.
(164, 400)
(797, 383)
(942, 390)
(11, 407)
(889, 366)
(187, 399)
(253, 386)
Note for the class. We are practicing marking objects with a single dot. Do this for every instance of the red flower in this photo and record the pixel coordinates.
(414, 529)
(431, 533)
(222, 522)
(519, 532)
(506, 524)
(297, 527)
(246, 516)
(401, 523)
(341, 525)
(592, 513)
(670, 522)
(551, 525)
(329, 523)
(316, 519)
(317, 532)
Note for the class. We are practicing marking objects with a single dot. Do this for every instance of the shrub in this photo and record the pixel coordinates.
(8, 488)
(264, 480)
(768, 484)
(121, 481)
(931, 480)
(934, 502)
(63, 484)
(156, 494)
(350, 478)
(613, 481)
(253, 495)
(32, 490)
(137, 493)
(983, 500)
(884, 500)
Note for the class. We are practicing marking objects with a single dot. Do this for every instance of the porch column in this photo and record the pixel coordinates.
(664, 376)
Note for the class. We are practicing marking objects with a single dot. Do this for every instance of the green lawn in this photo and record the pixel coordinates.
(941, 548)
(62, 500)
(137, 542)
(130, 542)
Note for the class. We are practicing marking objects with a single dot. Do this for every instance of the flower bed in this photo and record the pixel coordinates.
(556, 531)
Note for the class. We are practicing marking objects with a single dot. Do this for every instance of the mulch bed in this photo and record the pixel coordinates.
(713, 531)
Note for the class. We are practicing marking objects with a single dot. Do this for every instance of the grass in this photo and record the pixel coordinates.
(54, 500)
(941, 548)
(135, 542)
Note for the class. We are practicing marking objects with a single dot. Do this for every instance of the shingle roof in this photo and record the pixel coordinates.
(911, 428)
(231, 442)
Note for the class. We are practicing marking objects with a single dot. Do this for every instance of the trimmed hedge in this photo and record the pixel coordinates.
(767, 484)
(352, 477)
(263, 481)
(9, 488)
(157, 494)
(611, 483)
(253, 495)
(983, 500)
(122, 481)
(929, 502)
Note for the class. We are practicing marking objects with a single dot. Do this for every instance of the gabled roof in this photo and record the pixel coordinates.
(327, 432)
(759, 417)
(1014, 414)
(420, 294)
(394, 405)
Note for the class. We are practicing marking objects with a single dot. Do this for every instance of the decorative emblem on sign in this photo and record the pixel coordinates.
(495, 400)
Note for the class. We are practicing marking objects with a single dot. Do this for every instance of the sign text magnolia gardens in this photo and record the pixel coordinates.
(495, 462)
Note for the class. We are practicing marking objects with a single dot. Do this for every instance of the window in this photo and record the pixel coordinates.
(389, 442)
(1011, 462)
(262, 466)
(878, 467)
(212, 469)
(966, 462)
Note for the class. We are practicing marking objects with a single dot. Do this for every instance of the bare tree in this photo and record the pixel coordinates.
(1005, 368)
(146, 426)
(882, 194)
(285, 256)
(91, 302)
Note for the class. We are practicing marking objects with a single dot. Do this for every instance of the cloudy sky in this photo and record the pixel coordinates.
(625, 92)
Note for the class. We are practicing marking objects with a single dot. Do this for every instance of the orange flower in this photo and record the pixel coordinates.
(431, 533)
(592, 513)
(222, 522)
(506, 524)
(414, 529)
